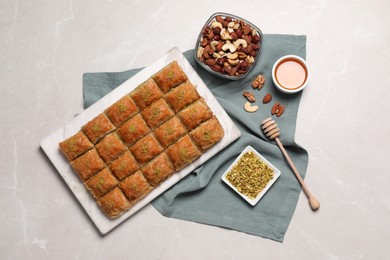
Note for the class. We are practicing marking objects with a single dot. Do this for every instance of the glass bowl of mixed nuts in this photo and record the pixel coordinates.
(228, 46)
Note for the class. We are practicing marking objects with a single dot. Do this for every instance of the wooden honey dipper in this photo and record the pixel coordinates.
(271, 130)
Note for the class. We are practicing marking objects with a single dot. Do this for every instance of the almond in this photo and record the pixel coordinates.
(267, 98)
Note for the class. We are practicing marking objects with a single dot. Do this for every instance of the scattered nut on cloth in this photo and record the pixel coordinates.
(258, 83)
(249, 96)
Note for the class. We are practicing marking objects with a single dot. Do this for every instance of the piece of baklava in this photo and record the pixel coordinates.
(170, 131)
(146, 93)
(121, 110)
(157, 113)
(208, 133)
(124, 165)
(75, 145)
(110, 147)
(182, 96)
(195, 114)
(133, 129)
(146, 148)
(158, 169)
(98, 127)
(87, 164)
(135, 187)
(114, 203)
(170, 76)
(183, 152)
(101, 183)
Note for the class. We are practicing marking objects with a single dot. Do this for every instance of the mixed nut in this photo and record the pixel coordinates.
(229, 46)
(277, 109)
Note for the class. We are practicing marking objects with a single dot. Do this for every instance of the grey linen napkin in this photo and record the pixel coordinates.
(202, 197)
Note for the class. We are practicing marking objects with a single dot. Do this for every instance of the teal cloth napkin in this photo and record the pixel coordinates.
(202, 197)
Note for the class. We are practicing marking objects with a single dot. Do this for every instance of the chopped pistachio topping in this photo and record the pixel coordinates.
(181, 95)
(155, 112)
(250, 175)
(122, 108)
(170, 74)
(96, 127)
(99, 184)
(132, 128)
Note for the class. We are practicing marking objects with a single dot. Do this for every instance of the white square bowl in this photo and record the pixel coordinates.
(254, 201)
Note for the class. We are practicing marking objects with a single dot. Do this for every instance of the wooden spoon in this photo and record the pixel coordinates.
(271, 130)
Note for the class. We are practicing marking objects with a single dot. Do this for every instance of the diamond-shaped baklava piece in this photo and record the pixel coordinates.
(114, 203)
(195, 114)
(110, 147)
(157, 113)
(87, 164)
(146, 93)
(75, 145)
(135, 187)
(183, 152)
(98, 127)
(101, 183)
(133, 129)
(158, 169)
(170, 76)
(182, 96)
(124, 165)
(121, 110)
(170, 131)
(146, 148)
(207, 133)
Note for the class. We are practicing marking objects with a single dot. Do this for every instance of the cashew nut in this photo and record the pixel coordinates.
(249, 108)
(225, 35)
(232, 56)
(199, 53)
(229, 46)
(250, 59)
(230, 27)
(213, 44)
(217, 55)
(239, 42)
(236, 26)
(233, 62)
(254, 32)
(216, 24)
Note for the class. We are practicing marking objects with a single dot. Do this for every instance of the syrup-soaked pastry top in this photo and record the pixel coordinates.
(133, 130)
(124, 165)
(146, 93)
(121, 110)
(75, 145)
(182, 96)
(98, 127)
(110, 147)
(207, 133)
(170, 76)
(146, 148)
(88, 164)
(158, 169)
(195, 114)
(114, 203)
(170, 131)
(157, 113)
(135, 187)
(101, 183)
(183, 152)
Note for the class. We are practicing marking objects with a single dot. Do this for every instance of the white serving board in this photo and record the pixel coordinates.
(50, 143)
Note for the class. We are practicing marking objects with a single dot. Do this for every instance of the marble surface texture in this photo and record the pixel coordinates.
(45, 46)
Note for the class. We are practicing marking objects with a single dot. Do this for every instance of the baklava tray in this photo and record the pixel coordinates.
(50, 143)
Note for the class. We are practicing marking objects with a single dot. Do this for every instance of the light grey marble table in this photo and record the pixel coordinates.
(343, 121)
